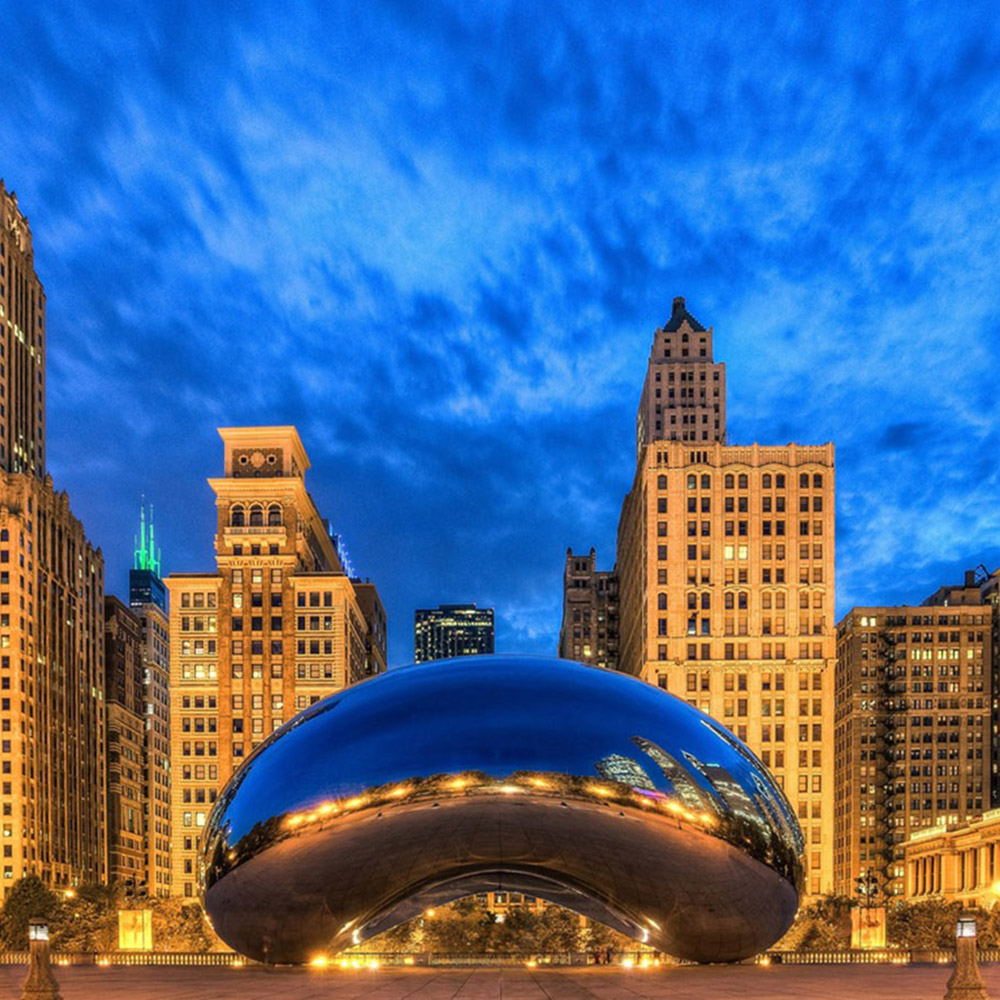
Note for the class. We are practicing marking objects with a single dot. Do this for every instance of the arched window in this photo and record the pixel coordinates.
(256, 516)
(692, 600)
(661, 482)
(274, 514)
(692, 482)
(237, 518)
(766, 481)
(706, 481)
(729, 482)
(661, 602)
(706, 602)
(741, 599)
(743, 481)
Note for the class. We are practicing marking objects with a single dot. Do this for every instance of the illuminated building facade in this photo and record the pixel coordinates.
(452, 630)
(126, 738)
(589, 631)
(725, 566)
(957, 862)
(52, 710)
(22, 336)
(277, 627)
(148, 601)
(915, 700)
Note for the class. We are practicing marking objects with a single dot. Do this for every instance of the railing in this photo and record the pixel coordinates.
(366, 960)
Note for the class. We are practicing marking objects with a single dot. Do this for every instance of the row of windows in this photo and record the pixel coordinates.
(239, 517)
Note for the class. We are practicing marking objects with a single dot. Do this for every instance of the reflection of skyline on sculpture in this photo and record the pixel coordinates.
(461, 776)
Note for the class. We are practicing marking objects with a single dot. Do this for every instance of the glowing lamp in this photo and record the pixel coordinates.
(966, 926)
(38, 930)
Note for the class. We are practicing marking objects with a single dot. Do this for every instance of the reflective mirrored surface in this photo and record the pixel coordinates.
(582, 786)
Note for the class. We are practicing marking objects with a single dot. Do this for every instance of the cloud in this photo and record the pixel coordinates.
(439, 237)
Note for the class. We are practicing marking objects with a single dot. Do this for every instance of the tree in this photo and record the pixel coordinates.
(823, 926)
(29, 898)
(928, 923)
(87, 921)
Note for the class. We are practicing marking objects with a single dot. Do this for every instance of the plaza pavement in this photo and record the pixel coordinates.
(823, 982)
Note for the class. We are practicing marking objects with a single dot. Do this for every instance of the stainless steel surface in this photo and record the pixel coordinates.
(583, 786)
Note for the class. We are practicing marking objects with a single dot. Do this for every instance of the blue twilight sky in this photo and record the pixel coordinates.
(438, 238)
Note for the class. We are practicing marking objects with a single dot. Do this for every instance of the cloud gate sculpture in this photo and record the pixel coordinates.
(583, 786)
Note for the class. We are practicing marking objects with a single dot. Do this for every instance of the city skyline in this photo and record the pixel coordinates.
(364, 269)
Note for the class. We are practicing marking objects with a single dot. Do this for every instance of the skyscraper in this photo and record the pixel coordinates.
(126, 738)
(22, 335)
(915, 695)
(52, 710)
(589, 631)
(148, 600)
(451, 630)
(725, 566)
(278, 626)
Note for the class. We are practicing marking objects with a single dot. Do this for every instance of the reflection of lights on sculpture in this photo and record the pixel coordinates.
(501, 774)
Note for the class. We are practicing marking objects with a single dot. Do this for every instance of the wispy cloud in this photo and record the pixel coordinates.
(438, 237)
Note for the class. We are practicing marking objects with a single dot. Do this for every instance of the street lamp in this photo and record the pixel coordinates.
(40, 984)
(965, 982)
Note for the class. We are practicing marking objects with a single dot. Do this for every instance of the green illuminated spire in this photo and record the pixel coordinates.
(147, 555)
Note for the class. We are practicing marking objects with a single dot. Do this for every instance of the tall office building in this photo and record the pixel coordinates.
(452, 630)
(148, 601)
(916, 694)
(126, 737)
(589, 631)
(22, 336)
(725, 567)
(278, 626)
(52, 711)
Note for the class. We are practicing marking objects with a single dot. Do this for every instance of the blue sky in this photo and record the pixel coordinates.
(438, 238)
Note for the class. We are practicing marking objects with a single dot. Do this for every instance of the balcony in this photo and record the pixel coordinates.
(268, 533)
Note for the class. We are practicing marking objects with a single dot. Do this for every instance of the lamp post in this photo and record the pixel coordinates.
(40, 984)
(965, 982)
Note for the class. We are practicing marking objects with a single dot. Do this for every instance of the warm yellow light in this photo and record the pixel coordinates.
(430, 912)
(358, 800)
(645, 963)
(319, 962)
(103, 962)
(599, 790)
(294, 820)
(540, 783)
(628, 963)
(398, 793)
(408, 960)
(675, 807)
(238, 963)
(373, 964)
(764, 960)
(509, 789)
(707, 819)
(70, 893)
(326, 808)
(457, 784)
(531, 963)
(345, 964)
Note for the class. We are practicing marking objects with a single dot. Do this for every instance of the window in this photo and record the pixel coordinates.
(256, 516)
(237, 517)
(274, 515)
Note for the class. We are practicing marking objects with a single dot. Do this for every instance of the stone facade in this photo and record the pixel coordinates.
(914, 699)
(277, 627)
(725, 564)
(126, 738)
(589, 631)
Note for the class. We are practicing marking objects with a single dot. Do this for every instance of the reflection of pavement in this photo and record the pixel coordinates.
(828, 982)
